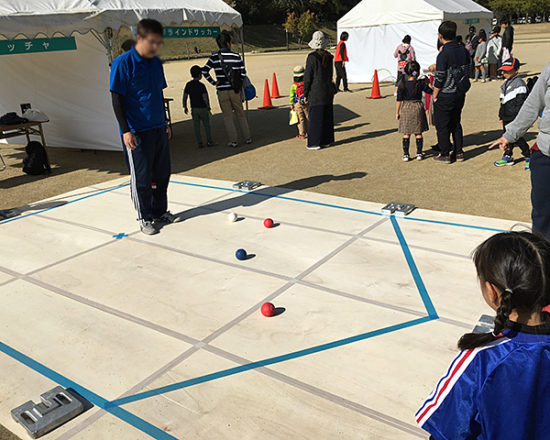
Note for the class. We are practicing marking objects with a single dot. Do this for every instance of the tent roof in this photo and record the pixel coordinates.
(379, 12)
(50, 17)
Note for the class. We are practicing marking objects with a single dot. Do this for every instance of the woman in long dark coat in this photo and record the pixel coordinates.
(319, 90)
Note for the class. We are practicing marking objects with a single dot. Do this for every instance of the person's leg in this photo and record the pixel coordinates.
(237, 106)
(524, 147)
(161, 173)
(483, 68)
(442, 116)
(345, 78)
(338, 66)
(540, 193)
(195, 115)
(302, 128)
(140, 163)
(227, 111)
(205, 116)
(457, 132)
(305, 109)
(419, 145)
(406, 145)
(315, 126)
(328, 125)
(476, 76)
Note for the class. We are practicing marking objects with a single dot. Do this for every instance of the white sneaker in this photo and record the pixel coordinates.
(148, 229)
(419, 156)
(406, 158)
(233, 144)
(313, 147)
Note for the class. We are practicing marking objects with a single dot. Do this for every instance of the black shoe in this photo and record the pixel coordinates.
(211, 144)
(442, 159)
(460, 157)
(436, 147)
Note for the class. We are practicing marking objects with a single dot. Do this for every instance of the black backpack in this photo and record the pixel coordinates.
(36, 162)
(234, 77)
(531, 84)
(403, 55)
(460, 74)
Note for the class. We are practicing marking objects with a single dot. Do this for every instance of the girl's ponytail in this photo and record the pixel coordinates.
(517, 264)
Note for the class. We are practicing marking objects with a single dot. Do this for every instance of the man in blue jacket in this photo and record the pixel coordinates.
(137, 83)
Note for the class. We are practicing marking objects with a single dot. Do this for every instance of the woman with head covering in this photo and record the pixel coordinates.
(319, 91)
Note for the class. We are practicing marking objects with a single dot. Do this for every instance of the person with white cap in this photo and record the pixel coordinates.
(319, 90)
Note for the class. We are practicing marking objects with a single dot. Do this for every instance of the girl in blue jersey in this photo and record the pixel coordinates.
(498, 387)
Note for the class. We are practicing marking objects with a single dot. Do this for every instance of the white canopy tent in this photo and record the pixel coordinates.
(72, 87)
(376, 27)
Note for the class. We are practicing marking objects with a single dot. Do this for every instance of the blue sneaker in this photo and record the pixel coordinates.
(505, 161)
(528, 163)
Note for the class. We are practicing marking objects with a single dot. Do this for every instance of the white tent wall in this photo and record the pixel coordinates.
(372, 47)
(71, 87)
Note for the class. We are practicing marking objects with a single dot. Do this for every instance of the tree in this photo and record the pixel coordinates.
(307, 24)
(291, 23)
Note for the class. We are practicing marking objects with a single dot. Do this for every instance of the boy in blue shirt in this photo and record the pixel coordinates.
(137, 82)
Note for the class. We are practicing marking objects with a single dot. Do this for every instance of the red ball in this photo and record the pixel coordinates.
(268, 309)
(268, 223)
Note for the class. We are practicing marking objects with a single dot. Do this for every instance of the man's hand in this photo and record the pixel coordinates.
(186, 110)
(169, 131)
(130, 140)
(502, 143)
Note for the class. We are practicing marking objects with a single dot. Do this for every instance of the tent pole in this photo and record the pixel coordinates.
(242, 51)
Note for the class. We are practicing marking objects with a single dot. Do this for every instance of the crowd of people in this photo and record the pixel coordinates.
(494, 372)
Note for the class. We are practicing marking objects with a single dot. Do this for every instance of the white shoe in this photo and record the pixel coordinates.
(406, 158)
(148, 229)
(419, 157)
(233, 144)
(314, 147)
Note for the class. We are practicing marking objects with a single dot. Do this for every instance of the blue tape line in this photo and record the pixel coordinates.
(94, 398)
(337, 206)
(441, 222)
(293, 199)
(269, 361)
(430, 309)
(65, 204)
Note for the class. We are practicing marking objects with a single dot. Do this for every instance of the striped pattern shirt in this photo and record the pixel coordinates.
(232, 59)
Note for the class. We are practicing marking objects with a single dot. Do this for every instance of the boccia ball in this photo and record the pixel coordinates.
(268, 223)
(241, 254)
(232, 217)
(268, 309)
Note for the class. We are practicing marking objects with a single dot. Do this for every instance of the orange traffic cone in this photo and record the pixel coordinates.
(375, 92)
(275, 87)
(267, 98)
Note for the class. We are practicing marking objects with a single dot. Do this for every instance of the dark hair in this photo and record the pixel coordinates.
(149, 26)
(482, 35)
(412, 68)
(472, 29)
(127, 45)
(344, 36)
(223, 40)
(298, 78)
(504, 20)
(496, 29)
(518, 265)
(459, 39)
(439, 44)
(196, 72)
(447, 29)
(407, 39)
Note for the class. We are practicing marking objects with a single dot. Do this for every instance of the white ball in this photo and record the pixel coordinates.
(232, 217)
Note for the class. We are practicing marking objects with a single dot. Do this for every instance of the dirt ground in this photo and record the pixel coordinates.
(366, 142)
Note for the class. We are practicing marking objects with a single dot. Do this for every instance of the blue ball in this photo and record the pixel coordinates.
(241, 254)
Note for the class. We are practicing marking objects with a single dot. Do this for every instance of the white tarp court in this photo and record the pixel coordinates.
(376, 27)
(54, 54)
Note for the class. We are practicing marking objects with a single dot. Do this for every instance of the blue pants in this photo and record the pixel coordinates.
(149, 165)
(540, 192)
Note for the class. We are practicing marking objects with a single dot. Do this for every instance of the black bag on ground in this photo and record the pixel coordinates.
(234, 77)
(36, 162)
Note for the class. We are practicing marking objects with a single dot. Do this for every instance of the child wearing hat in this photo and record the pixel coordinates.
(513, 94)
(298, 101)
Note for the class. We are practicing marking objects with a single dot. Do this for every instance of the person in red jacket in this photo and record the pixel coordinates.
(340, 60)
